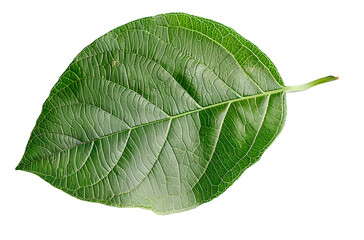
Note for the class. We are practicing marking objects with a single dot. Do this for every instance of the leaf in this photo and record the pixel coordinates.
(163, 113)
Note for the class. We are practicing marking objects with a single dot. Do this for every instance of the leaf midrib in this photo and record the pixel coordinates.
(280, 90)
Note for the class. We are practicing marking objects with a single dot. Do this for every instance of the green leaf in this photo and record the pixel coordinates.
(163, 113)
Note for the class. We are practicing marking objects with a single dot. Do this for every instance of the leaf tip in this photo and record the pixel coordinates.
(19, 167)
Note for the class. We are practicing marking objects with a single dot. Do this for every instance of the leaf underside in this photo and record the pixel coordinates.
(164, 113)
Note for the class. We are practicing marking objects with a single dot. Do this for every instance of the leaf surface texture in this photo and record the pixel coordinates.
(165, 113)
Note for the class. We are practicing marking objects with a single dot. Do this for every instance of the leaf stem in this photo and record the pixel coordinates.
(302, 87)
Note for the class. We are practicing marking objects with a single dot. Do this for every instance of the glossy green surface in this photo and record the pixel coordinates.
(164, 113)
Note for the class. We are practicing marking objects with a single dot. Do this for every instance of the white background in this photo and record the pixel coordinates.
(308, 185)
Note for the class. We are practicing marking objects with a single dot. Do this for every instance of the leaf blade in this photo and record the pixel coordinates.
(139, 88)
